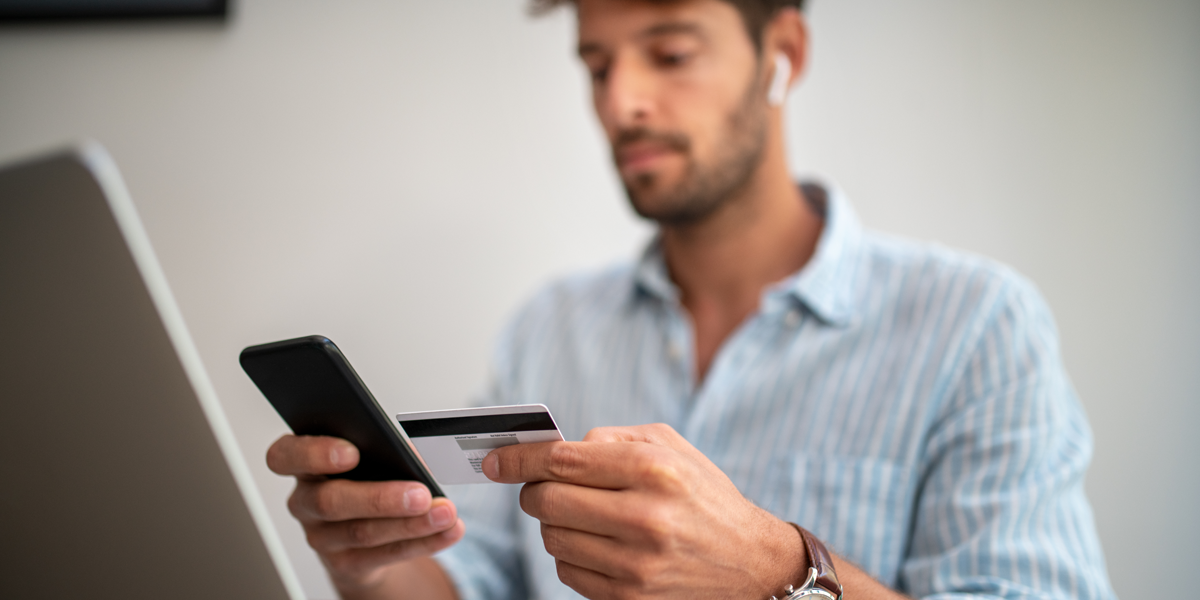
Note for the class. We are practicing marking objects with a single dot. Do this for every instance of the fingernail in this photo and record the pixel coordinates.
(491, 467)
(440, 516)
(416, 499)
(344, 455)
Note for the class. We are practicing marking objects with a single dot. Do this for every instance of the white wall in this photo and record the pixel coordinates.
(398, 175)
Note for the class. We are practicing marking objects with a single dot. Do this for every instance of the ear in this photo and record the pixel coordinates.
(786, 46)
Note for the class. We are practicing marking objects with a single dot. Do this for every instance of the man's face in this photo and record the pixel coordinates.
(678, 89)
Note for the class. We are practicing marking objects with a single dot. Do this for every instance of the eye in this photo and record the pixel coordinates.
(597, 67)
(599, 74)
(673, 59)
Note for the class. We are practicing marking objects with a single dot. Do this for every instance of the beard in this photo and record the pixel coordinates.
(704, 187)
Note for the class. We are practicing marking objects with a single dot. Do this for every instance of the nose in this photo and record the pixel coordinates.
(625, 98)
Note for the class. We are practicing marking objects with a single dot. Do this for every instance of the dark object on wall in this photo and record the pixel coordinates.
(19, 11)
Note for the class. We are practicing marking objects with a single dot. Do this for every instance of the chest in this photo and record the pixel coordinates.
(819, 426)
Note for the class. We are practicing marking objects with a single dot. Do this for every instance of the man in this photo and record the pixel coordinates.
(901, 403)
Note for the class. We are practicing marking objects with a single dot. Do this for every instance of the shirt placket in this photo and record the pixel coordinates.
(724, 391)
(680, 356)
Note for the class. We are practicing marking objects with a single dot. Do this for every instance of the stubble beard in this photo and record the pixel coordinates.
(704, 188)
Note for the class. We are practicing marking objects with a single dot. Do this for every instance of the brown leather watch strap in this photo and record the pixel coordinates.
(820, 559)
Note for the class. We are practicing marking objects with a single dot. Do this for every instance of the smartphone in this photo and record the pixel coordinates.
(316, 391)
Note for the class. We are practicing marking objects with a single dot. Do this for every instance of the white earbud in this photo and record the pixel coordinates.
(779, 82)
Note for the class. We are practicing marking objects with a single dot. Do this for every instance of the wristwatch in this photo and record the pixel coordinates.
(822, 582)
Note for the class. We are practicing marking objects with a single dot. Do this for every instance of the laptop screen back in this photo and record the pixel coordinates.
(113, 461)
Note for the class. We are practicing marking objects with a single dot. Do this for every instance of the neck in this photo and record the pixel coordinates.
(722, 265)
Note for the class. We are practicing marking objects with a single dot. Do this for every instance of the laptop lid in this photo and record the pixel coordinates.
(120, 475)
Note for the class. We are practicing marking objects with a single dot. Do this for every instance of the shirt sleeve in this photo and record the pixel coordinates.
(1001, 511)
(488, 563)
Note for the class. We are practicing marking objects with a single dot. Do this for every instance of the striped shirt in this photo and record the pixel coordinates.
(904, 402)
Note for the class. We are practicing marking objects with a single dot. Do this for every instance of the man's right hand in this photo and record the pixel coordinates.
(366, 532)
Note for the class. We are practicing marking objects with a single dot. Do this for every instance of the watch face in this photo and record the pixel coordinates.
(813, 593)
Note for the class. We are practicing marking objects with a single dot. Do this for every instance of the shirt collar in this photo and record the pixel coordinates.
(824, 286)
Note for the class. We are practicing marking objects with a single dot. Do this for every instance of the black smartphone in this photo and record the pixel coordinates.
(316, 391)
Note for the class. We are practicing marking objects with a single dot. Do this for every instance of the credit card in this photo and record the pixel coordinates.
(452, 443)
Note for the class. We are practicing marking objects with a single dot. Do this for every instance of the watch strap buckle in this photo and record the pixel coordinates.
(822, 581)
(808, 589)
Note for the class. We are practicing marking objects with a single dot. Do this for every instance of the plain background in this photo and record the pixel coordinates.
(400, 175)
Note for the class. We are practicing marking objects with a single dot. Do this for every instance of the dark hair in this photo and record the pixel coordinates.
(755, 13)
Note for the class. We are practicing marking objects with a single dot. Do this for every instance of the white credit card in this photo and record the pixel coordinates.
(452, 443)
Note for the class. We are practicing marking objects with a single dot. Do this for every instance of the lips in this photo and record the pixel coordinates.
(641, 156)
(638, 151)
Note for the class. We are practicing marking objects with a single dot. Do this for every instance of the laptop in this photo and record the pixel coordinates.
(119, 473)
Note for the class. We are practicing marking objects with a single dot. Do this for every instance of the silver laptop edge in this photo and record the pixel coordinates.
(105, 171)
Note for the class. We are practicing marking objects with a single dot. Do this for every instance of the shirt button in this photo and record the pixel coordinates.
(674, 351)
(792, 318)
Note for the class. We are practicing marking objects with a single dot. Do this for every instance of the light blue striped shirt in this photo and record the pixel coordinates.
(904, 402)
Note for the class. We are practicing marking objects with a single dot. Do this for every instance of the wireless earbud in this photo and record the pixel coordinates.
(779, 82)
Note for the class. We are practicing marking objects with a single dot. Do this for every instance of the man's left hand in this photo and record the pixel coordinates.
(638, 512)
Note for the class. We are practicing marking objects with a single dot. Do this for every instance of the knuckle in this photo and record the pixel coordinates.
(565, 460)
(662, 470)
(325, 503)
(342, 562)
(553, 500)
(552, 540)
(549, 498)
(671, 481)
(646, 462)
(657, 525)
(359, 533)
(379, 500)
(661, 429)
(600, 434)
(639, 576)
(648, 573)
(315, 537)
(653, 430)
(626, 568)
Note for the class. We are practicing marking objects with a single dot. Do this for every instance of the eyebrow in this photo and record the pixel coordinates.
(661, 29)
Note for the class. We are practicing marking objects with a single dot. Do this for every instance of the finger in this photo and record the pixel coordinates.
(592, 552)
(362, 560)
(601, 465)
(659, 434)
(343, 500)
(608, 513)
(370, 533)
(588, 583)
(311, 455)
